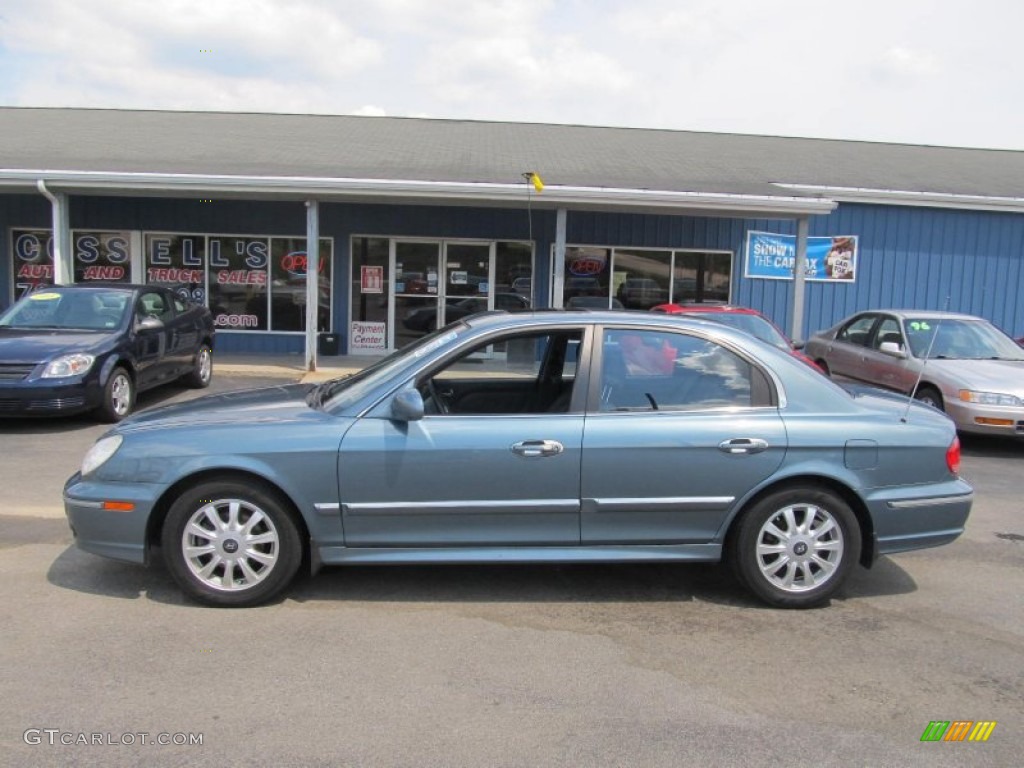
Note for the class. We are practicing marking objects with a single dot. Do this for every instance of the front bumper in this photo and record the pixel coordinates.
(118, 535)
(1006, 421)
(49, 397)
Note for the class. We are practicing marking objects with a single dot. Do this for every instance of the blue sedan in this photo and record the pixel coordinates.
(92, 347)
(531, 437)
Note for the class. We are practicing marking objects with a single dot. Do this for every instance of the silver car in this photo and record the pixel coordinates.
(569, 437)
(960, 364)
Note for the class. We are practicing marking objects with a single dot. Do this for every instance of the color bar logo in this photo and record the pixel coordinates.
(958, 730)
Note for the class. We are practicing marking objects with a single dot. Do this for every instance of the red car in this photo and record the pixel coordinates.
(749, 320)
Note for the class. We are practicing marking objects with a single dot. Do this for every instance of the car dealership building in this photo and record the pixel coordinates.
(421, 221)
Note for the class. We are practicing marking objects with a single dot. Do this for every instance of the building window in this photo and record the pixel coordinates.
(288, 268)
(96, 255)
(249, 283)
(177, 262)
(638, 278)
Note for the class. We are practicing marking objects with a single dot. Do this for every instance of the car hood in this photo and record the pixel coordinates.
(34, 345)
(1006, 376)
(245, 406)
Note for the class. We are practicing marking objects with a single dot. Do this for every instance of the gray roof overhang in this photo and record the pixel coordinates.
(415, 192)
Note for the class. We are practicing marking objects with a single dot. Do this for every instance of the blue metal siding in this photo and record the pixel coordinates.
(925, 258)
(262, 343)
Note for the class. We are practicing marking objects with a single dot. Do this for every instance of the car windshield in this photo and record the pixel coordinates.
(755, 325)
(338, 394)
(959, 339)
(90, 309)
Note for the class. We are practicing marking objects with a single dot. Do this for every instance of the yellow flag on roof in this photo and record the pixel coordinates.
(538, 184)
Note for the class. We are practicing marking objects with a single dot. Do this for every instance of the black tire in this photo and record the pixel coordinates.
(202, 368)
(118, 396)
(256, 573)
(929, 395)
(817, 564)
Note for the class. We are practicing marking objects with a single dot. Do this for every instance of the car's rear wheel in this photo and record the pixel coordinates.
(202, 368)
(118, 396)
(929, 396)
(795, 547)
(231, 544)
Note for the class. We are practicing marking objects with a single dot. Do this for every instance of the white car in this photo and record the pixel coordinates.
(960, 364)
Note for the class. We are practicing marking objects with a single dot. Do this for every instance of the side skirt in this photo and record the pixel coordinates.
(651, 553)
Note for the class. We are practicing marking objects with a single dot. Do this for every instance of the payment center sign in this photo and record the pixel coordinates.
(829, 259)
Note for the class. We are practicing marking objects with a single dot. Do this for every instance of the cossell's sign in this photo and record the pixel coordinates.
(773, 257)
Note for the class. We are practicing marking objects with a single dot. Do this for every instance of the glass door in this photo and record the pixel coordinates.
(468, 280)
(416, 269)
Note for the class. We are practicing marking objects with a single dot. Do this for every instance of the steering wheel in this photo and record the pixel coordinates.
(442, 406)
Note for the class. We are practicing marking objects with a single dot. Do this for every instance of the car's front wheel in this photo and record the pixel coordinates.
(795, 547)
(118, 396)
(929, 396)
(229, 543)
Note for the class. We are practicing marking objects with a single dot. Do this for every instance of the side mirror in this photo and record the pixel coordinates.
(407, 405)
(892, 348)
(149, 323)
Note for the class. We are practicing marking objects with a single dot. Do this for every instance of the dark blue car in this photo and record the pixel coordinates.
(69, 349)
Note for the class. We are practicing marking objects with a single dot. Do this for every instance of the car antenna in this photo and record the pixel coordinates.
(927, 357)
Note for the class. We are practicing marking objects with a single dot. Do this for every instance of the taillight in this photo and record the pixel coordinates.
(953, 456)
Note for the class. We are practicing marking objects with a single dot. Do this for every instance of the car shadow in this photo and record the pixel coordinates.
(984, 446)
(60, 424)
(500, 583)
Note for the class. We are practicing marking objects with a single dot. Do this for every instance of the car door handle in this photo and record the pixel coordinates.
(537, 448)
(743, 445)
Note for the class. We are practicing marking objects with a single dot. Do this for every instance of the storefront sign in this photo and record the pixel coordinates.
(585, 262)
(371, 279)
(367, 337)
(95, 256)
(829, 259)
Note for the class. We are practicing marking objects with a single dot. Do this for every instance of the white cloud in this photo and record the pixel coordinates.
(225, 54)
(874, 69)
(369, 110)
(902, 62)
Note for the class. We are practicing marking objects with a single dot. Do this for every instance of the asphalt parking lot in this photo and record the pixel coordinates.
(619, 665)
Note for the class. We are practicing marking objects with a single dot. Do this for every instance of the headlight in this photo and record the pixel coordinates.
(68, 365)
(988, 398)
(101, 450)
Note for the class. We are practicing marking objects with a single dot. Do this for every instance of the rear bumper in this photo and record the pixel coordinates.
(920, 517)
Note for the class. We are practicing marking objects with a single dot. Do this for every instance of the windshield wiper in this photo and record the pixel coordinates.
(325, 390)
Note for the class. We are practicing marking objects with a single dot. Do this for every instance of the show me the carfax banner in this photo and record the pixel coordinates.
(771, 257)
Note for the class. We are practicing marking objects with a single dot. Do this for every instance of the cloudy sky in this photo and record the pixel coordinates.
(939, 72)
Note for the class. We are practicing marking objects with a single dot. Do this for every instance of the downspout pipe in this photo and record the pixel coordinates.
(312, 282)
(796, 320)
(62, 272)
